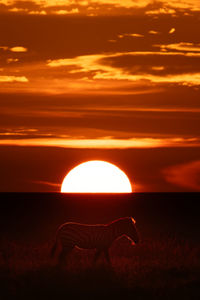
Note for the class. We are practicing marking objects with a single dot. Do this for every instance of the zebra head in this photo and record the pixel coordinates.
(132, 232)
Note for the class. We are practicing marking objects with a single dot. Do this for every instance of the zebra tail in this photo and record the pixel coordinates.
(53, 249)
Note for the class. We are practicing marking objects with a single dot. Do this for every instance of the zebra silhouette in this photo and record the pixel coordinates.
(99, 237)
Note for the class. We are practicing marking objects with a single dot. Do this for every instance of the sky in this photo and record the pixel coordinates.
(107, 79)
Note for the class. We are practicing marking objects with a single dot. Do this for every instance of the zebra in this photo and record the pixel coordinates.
(99, 237)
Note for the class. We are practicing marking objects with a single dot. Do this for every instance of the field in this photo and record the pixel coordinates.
(167, 269)
(164, 265)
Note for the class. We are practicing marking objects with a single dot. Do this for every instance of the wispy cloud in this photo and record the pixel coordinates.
(106, 143)
(14, 49)
(182, 46)
(172, 30)
(161, 11)
(8, 78)
(50, 3)
(18, 49)
(100, 68)
(154, 32)
(27, 11)
(11, 60)
(98, 7)
(67, 12)
(52, 184)
(112, 73)
(141, 109)
(186, 175)
(123, 35)
(158, 68)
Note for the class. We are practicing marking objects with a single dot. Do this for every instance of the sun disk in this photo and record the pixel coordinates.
(96, 177)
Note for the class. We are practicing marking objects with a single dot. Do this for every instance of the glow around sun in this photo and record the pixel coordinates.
(96, 176)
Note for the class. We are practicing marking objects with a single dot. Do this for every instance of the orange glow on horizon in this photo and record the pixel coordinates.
(96, 177)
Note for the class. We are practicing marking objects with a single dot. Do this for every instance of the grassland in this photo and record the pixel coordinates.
(167, 268)
(165, 265)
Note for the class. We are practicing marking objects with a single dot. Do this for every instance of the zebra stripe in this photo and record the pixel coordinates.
(99, 236)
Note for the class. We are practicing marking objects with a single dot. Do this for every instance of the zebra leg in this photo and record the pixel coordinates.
(107, 256)
(97, 254)
(63, 255)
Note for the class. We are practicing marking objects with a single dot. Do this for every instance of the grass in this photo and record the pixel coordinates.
(157, 269)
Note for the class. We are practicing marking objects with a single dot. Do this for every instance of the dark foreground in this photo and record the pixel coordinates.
(165, 265)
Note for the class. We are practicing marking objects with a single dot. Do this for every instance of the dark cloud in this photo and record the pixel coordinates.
(171, 64)
(58, 115)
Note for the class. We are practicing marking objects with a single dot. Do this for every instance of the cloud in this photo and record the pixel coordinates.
(162, 115)
(186, 175)
(158, 68)
(81, 63)
(14, 49)
(141, 109)
(167, 118)
(186, 79)
(130, 35)
(105, 143)
(112, 73)
(100, 7)
(117, 3)
(37, 12)
(84, 62)
(182, 46)
(120, 66)
(5, 78)
(52, 184)
(161, 11)
(18, 49)
(24, 133)
(172, 30)
(27, 11)
(67, 12)
(153, 32)
(90, 8)
(11, 60)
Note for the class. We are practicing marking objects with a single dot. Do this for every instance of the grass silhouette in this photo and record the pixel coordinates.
(165, 269)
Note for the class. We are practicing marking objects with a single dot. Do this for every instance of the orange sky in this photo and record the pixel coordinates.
(115, 80)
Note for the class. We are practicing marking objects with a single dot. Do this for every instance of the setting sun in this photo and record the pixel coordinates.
(96, 177)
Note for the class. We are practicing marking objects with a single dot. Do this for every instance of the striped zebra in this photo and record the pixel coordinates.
(99, 237)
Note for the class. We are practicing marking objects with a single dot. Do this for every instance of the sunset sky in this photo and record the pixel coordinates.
(107, 79)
